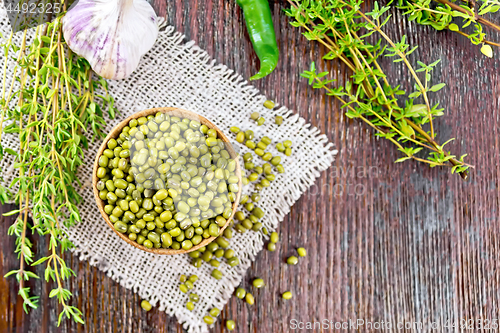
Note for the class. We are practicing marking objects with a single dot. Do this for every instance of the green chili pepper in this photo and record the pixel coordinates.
(261, 31)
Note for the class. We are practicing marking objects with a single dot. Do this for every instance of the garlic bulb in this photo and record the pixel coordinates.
(111, 34)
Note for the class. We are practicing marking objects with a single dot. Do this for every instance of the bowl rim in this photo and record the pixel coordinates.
(172, 111)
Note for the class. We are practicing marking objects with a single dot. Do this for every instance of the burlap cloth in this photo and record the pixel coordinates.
(179, 73)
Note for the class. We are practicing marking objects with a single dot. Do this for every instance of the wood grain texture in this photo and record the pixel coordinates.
(385, 241)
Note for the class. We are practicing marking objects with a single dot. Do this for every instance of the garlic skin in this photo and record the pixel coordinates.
(112, 35)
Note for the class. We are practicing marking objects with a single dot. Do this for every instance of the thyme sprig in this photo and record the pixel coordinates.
(440, 14)
(345, 30)
(50, 103)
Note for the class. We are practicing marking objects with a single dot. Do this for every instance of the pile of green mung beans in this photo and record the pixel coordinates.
(259, 148)
(168, 182)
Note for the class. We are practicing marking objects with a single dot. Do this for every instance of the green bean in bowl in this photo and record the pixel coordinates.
(167, 181)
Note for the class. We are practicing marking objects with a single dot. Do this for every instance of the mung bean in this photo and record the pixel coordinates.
(216, 274)
(240, 293)
(258, 283)
(249, 299)
(274, 237)
(214, 312)
(269, 104)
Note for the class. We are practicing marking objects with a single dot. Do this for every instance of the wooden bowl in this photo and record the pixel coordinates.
(172, 112)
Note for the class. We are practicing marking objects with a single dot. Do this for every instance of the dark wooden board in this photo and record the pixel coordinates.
(385, 241)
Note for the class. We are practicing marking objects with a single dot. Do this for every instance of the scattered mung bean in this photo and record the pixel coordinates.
(269, 104)
(216, 274)
(163, 164)
(247, 224)
(249, 134)
(194, 297)
(146, 305)
(276, 160)
(189, 285)
(250, 144)
(249, 299)
(293, 260)
(266, 140)
(222, 242)
(197, 262)
(229, 254)
(253, 218)
(257, 226)
(258, 283)
(240, 293)
(214, 263)
(278, 120)
(239, 228)
(234, 261)
(255, 197)
(262, 145)
(219, 253)
(258, 212)
(240, 137)
(274, 237)
(267, 156)
(230, 325)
